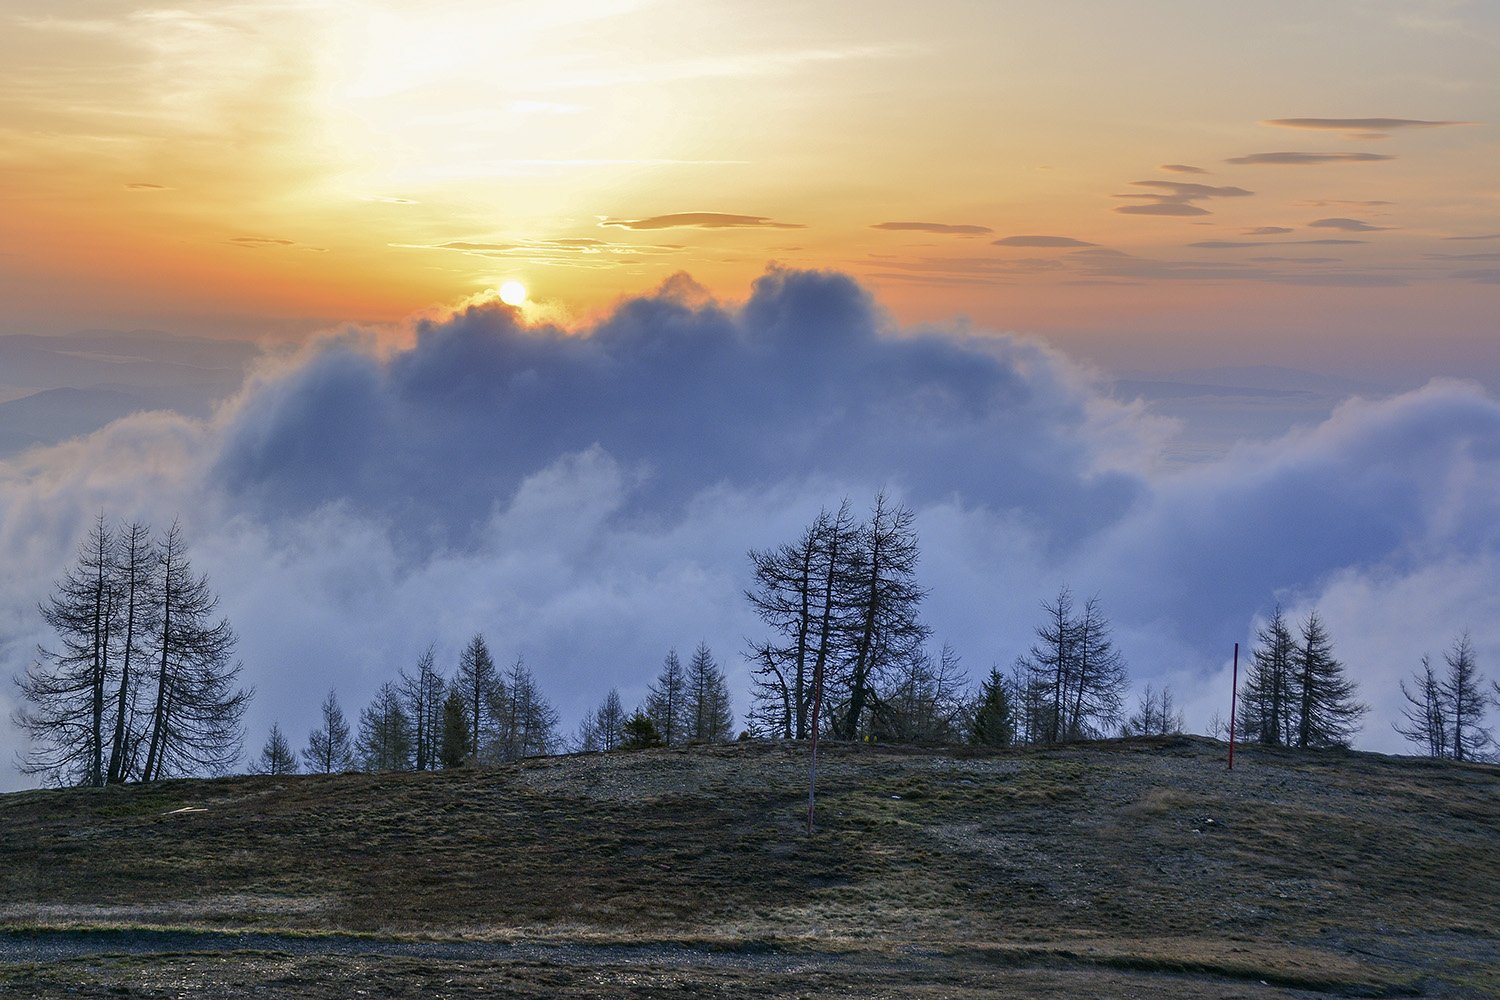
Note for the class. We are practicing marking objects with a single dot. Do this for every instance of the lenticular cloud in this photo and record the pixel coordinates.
(586, 499)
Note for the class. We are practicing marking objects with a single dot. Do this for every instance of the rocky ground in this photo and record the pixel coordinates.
(1123, 868)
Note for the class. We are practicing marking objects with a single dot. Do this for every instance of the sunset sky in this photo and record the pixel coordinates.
(1191, 306)
(1170, 183)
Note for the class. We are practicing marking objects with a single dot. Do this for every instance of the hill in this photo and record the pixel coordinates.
(1131, 867)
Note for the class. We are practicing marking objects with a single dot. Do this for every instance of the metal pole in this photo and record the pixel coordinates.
(812, 774)
(1233, 697)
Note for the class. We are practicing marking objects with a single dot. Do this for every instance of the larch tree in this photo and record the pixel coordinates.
(1268, 712)
(65, 691)
(134, 564)
(1098, 676)
(802, 594)
(422, 693)
(1049, 665)
(604, 728)
(194, 723)
(276, 756)
(1424, 716)
(666, 702)
(884, 627)
(523, 722)
(385, 740)
(329, 749)
(1464, 702)
(707, 717)
(476, 679)
(924, 701)
(1328, 714)
(1156, 714)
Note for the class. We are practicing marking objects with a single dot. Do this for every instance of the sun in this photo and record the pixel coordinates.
(513, 293)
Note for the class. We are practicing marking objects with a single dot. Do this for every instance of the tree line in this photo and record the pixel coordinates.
(141, 683)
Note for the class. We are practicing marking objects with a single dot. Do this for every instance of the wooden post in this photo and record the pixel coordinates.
(1233, 702)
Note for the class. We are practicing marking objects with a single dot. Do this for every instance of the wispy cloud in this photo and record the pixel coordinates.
(1357, 124)
(1296, 159)
(1238, 244)
(1485, 236)
(934, 227)
(1346, 225)
(143, 186)
(1266, 231)
(1177, 198)
(255, 242)
(701, 220)
(1182, 168)
(1041, 241)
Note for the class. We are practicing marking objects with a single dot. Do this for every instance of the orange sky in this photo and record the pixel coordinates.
(239, 168)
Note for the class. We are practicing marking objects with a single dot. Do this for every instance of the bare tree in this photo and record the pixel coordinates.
(195, 719)
(1268, 711)
(276, 756)
(1098, 676)
(1155, 715)
(1049, 665)
(802, 594)
(422, 699)
(1425, 717)
(604, 728)
(884, 628)
(924, 701)
(65, 689)
(1465, 702)
(707, 718)
(524, 723)
(385, 740)
(136, 582)
(329, 750)
(666, 703)
(476, 679)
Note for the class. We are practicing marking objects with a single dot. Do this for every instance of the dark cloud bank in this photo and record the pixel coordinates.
(587, 498)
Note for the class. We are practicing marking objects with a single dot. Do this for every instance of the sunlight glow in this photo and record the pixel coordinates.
(513, 293)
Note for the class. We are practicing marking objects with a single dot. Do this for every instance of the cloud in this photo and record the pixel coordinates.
(1235, 244)
(143, 186)
(1485, 236)
(1357, 124)
(586, 497)
(1489, 276)
(933, 227)
(1041, 241)
(1176, 198)
(549, 250)
(701, 220)
(256, 242)
(1265, 231)
(1347, 225)
(1182, 168)
(1304, 159)
(1162, 208)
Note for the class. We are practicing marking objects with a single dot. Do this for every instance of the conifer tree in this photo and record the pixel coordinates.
(1269, 712)
(276, 756)
(523, 722)
(707, 717)
(385, 741)
(1464, 702)
(1328, 715)
(476, 679)
(1425, 717)
(1156, 715)
(639, 733)
(667, 701)
(994, 718)
(604, 728)
(329, 749)
(456, 748)
(422, 693)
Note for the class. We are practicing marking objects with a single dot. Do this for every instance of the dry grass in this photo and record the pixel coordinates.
(1132, 858)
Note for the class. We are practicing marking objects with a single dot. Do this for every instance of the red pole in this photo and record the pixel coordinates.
(1233, 698)
(812, 774)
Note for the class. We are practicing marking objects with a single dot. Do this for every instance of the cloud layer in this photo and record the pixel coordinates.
(587, 497)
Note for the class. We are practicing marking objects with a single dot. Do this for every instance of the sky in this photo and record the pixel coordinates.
(1192, 306)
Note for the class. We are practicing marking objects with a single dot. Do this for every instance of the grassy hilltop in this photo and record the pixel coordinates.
(1123, 868)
